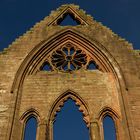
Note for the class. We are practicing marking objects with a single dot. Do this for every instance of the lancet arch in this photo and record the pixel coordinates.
(30, 117)
(56, 107)
(109, 112)
(59, 102)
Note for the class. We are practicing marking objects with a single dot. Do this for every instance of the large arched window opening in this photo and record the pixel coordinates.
(30, 128)
(109, 128)
(69, 124)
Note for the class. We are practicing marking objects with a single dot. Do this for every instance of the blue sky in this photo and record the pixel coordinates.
(17, 16)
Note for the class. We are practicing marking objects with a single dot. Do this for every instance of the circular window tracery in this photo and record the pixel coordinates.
(69, 58)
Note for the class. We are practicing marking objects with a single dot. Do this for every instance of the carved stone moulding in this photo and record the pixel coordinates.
(77, 101)
(68, 58)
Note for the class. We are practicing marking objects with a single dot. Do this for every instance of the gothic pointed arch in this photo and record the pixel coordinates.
(38, 55)
(108, 111)
(114, 123)
(59, 102)
(89, 59)
(28, 113)
(30, 121)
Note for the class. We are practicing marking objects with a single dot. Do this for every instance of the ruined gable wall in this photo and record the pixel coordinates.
(12, 58)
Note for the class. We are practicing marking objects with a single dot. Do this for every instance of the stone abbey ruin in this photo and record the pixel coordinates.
(88, 63)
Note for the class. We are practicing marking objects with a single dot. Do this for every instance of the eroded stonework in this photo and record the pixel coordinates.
(111, 88)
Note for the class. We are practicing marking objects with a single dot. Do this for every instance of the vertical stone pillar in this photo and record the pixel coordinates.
(42, 132)
(50, 130)
(94, 131)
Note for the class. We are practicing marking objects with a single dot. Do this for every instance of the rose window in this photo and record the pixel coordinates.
(69, 58)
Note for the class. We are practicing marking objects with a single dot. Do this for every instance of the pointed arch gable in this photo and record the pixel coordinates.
(39, 52)
(33, 59)
(108, 49)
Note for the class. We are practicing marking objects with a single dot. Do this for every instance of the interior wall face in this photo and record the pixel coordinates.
(97, 89)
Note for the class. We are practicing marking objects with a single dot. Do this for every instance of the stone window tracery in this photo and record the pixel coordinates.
(46, 66)
(69, 58)
(66, 119)
(78, 102)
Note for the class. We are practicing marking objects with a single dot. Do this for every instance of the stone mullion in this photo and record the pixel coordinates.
(42, 132)
(94, 131)
(50, 130)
